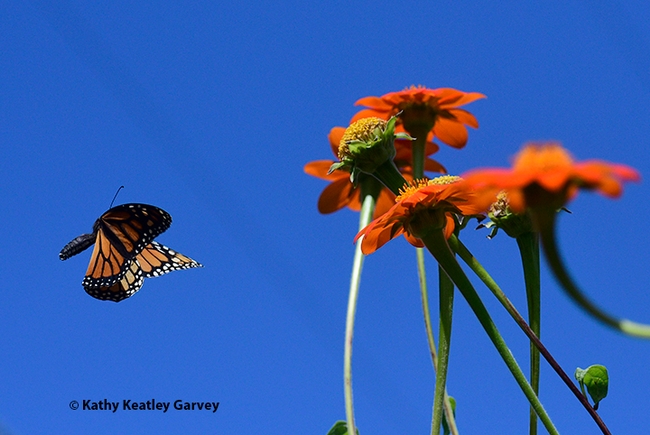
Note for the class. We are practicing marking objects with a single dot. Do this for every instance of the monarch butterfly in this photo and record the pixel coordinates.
(125, 252)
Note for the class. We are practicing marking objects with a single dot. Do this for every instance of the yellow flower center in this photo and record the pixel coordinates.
(444, 179)
(415, 88)
(410, 188)
(500, 206)
(361, 130)
(542, 157)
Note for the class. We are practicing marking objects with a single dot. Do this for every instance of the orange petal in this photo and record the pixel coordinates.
(367, 113)
(516, 200)
(374, 102)
(448, 96)
(468, 97)
(319, 168)
(465, 117)
(335, 196)
(378, 237)
(449, 226)
(610, 187)
(413, 240)
(355, 202)
(335, 136)
(431, 165)
(489, 177)
(555, 179)
(385, 202)
(451, 132)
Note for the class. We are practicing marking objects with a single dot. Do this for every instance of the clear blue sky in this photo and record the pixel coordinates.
(209, 110)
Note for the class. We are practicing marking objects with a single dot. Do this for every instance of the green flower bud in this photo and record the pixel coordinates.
(501, 217)
(367, 144)
(596, 379)
(340, 428)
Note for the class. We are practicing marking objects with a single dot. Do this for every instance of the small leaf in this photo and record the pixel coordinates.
(596, 379)
(445, 425)
(340, 428)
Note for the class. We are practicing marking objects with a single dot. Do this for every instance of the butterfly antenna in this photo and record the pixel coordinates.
(118, 191)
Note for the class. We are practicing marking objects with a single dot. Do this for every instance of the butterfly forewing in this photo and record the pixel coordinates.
(107, 265)
(131, 227)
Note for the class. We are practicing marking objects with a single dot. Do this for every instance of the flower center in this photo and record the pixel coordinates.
(362, 130)
(410, 188)
(542, 157)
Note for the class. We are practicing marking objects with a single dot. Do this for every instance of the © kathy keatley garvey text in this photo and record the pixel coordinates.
(149, 405)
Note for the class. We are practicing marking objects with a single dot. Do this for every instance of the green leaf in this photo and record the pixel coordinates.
(596, 379)
(445, 425)
(340, 428)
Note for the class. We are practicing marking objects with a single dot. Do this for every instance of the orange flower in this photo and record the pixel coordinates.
(341, 192)
(422, 206)
(545, 175)
(426, 111)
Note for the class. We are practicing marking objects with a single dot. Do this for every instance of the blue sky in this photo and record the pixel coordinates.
(210, 110)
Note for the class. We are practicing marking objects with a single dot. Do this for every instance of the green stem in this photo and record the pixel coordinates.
(440, 398)
(546, 224)
(424, 293)
(528, 243)
(437, 244)
(369, 192)
(390, 176)
(446, 288)
(478, 269)
(418, 147)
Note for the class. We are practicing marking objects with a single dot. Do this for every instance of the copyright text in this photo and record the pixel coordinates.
(149, 405)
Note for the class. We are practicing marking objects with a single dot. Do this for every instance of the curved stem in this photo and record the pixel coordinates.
(476, 267)
(440, 399)
(370, 191)
(388, 174)
(546, 224)
(528, 243)
(437, 244)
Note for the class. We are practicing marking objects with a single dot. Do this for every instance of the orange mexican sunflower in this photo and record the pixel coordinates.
(422, 206)
(426, 111)
(341, 192)
(544, 175)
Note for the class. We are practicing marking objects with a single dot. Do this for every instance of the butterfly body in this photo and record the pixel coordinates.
(124, 252)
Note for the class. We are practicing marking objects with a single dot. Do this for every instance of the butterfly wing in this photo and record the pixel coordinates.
(130, 282)
(158, 260)
(122, 233)
(154, 260)
(131, 227)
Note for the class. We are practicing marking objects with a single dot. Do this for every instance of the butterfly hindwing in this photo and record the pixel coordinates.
(158, 260)
(130, 282)
(154, 260)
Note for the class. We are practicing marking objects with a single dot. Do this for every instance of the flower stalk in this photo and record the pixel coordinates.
(436, 243)
(369, 191)
(528, 243)
(440, 399)
(462, 251)
(546, 224)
